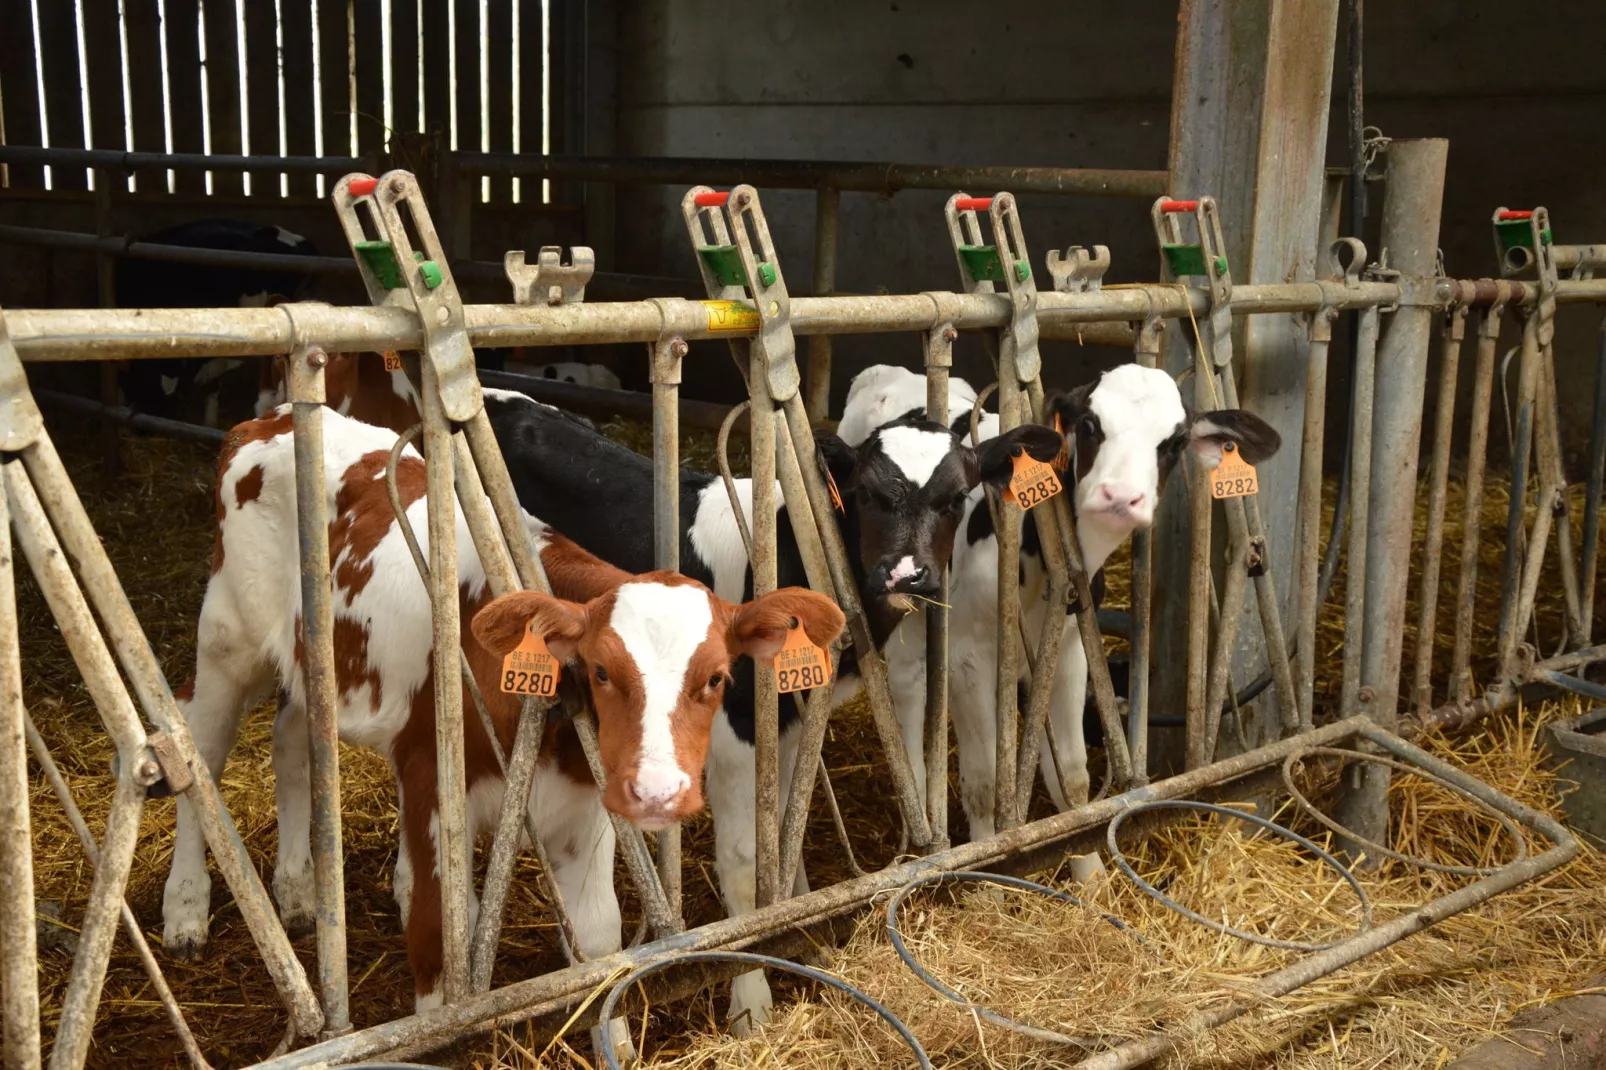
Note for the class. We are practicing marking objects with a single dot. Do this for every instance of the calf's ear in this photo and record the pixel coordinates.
(995, 458)
(759, 627)
(1255, 439)
(1069, 406)
(500, 626)
(836, 458)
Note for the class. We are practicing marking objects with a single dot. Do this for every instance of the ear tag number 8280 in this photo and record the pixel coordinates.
(1033, 482)
(530, 668)
(799, 664)
(1234, 477)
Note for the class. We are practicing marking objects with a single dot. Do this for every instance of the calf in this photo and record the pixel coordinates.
(656, 652)
(1127, 429)
(189, 388)
(903, 489)
(357, 385)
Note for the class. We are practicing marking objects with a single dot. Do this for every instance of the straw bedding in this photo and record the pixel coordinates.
(1051, 965)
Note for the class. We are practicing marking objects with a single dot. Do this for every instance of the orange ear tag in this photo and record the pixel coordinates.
(800, 665)
(530, 668)
(393, 361)
(1234, 477)
(1033, 483)
(836, 495)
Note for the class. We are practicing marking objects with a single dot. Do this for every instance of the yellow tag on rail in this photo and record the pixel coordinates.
(1234, 477)
(730, 316)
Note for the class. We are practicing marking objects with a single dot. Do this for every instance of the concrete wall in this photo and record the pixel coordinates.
(1518, 93)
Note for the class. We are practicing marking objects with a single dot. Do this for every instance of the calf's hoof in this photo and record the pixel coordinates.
(185, 944)
(751, 1002)
(296, 893)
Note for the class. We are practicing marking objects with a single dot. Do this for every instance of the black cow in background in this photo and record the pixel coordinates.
(187, 389)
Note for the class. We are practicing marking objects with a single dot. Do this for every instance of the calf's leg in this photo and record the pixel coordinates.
(294, 885)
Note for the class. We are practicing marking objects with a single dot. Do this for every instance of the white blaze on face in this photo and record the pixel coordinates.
(661, 627)
(1138, 408)
(901, 571)
(916, 452)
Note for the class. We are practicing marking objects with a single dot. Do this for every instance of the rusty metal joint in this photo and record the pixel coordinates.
(1077, 270)
(172, 775)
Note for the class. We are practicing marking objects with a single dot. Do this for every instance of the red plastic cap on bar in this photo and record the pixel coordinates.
(362, 187)
(712, 200)
(973, 204)
(1517, 215)
(1179, 206)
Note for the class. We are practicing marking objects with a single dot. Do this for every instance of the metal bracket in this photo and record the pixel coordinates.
(1523, 239)
(558, 283)
(1079, 271)
(175, 776)
(762, 280)
(1005, 261)
(394, 271)
(1205, 258)
(20, 421)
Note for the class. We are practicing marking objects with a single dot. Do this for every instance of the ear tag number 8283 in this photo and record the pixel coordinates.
(530, 668)
(1234, 477)
(1033, 482)
(799, 664)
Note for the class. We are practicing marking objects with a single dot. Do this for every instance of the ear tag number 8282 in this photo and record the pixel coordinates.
(1033, 482)
(799, 664)
(1234, 477)
(530, 668)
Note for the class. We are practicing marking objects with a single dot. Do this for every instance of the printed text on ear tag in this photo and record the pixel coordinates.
(800, 665)
(393, 361)
(530, 668)
(1033, 483)
(1234, 477)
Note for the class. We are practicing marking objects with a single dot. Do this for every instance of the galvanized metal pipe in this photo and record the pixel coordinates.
(133, 650)
(1521, 453)
(664, 358)
(1308, 570)
(1454, 329)
(872, 669)
(1411, 211)
(136, 935)
(78, 629)
(454, 848)
(939, 352)
(1362, 393)
(1146, 352)
(1593, 492)
(118, 334)
(19, 953)
(766, 701)
(827, 211)
(1553, 471)
(307, 394)
(1006, 814)
(1232, 607)
(1460, 687)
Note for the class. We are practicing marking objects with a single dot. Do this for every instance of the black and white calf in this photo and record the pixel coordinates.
(904, 491)
(1128, 428)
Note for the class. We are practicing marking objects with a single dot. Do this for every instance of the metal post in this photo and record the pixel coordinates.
(665, 358)
(1592, 494)
(106, 291)
(939, 364)
(19, 955)
(1460, 689)
(827, 204)
(453, 847)
(306, 388)
(1308, 571)
(1454, 329)
(1146, 351)
(1362, 396)
(766, 702)
(1521, 456)
(1411, 210)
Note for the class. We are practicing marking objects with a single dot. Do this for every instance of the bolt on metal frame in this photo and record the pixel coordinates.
(427, 315)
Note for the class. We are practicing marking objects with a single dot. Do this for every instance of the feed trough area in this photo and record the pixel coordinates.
(451, 655)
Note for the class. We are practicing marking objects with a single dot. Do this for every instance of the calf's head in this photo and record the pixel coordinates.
(1127, 430)
(656, 654)
(904, 492)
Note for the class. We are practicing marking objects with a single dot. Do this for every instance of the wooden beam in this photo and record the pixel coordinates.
(19, 90)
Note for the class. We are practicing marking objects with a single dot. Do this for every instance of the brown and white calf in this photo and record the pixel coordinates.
(355, 384)
(655, 651)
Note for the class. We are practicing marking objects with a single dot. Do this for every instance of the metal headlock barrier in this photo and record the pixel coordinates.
(416, 308)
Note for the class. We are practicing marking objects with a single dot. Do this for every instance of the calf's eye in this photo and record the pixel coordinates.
(602, 675)
(715, 680)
